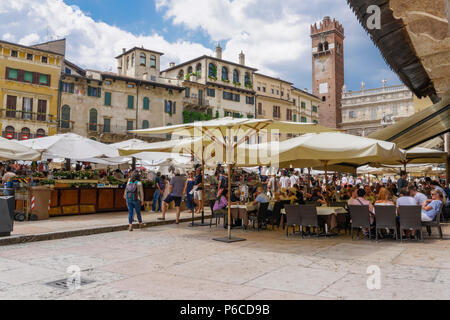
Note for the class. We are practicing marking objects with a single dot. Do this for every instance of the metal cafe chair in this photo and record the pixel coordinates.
(309, 218)
(386, 218)
(275, 219)
(410, 219)
(261, 215)
(436, 223)
(360, 216)
(293, 218)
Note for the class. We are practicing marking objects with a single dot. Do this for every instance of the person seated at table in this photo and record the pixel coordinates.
(383, 198)
(261, 197)
(431, 208)
(236, 197)
(292, 196)
(299, 194)
(318, 197)
(418, 196)
(369, 194)
(361, 201)
(353, 194)
(331, 194)
(275, 199)
(221, 203)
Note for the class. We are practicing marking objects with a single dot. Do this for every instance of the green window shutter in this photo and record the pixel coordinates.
(60, 84)
(43, 79)
(130, 102)
(295, 118)
(89, 91)
(28, 77)
(72, 87)
(12, 74)
(99, 92)
(108, 99)
(146, 103)
(174, 108)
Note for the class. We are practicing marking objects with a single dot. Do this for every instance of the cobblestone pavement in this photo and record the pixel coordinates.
(179, 262)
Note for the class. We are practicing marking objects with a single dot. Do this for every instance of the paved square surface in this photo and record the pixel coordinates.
(179, 262)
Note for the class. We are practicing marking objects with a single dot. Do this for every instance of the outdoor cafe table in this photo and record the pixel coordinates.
(240, 212)
(329, 215)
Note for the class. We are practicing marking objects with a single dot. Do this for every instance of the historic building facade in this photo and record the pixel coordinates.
(28, 90)
(328, 69)
(279, 100)
(215, 88)
(369, 110)
(105, 105)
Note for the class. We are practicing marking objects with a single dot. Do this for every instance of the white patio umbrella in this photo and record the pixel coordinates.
(227, 134)
(13, 150)
(70, 146)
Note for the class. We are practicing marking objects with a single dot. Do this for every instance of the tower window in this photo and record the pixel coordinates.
(326, 46)
(324, 99)
(320, 47)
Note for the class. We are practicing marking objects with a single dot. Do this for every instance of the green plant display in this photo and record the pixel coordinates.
(47, 182)
(237, 84)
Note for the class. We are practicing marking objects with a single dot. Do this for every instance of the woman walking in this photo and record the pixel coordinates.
(134, 195)
(188, 191)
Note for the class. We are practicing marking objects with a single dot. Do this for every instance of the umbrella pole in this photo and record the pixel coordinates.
(202, 223)
(229, 201)
(308, 185)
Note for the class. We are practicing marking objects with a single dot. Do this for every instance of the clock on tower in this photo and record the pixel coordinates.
(328, 69)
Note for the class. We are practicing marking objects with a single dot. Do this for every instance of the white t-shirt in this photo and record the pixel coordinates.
(294, 180)
(406, 201)
(285, 182)
(420, 198)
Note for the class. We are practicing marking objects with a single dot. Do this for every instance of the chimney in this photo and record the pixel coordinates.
(124, 50)
(172, 64)
(242, 58)
(219, 52)
(306, 90)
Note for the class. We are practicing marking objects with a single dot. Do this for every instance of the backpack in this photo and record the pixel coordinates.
(132, 191)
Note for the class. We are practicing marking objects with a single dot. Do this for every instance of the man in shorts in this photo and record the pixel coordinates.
(199, 190)
(175, 194)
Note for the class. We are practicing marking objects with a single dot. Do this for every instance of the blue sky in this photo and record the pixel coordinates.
(273, 34)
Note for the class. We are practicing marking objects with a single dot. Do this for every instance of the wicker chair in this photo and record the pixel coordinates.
(435, 223)
(386, 218)
(410, 219)
(292, 218)
(360, 218)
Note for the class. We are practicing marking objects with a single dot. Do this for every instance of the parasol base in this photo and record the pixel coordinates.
(200, 224)
(229, 240)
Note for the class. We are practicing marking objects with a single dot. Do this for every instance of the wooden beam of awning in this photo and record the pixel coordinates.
(418, 128)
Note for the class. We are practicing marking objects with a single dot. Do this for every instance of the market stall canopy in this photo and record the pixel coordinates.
(13, 150)
(315, 150)
(239, 127)
(419, 128)
(126, 144)
(163, 159)
(171, 146)
(70, 146)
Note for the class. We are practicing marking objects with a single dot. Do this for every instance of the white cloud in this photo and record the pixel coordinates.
(274, 34)
(90, 43)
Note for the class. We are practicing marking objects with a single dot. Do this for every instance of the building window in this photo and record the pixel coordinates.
(132, 60)
(250, 100)
(235, 76)
(12, 74)
(198, 69)
(259, 88)
(67, 87)
(93, 120)
(131, 86)
(247, 79)
(29, 56)
(43, 79)
(315, 109)
(9, 132)
(25, 134)
(212, 71)
(374, 113)
(14, 54)
(27, 108)
(42, 110)
(181, 75)
(40, 133)
(295, 118)
(146, 103)
(94, 92)
(190, 70)
(260, 110)
(264, 89)
(320, 47)
(225, 74)
(303, 105)
(106, 125)
(130, 125)
(326, 46)
(68, 71)
(211, 93)
(276, 112)
(108, 98)
(324, 99)
(170, 107)
(130, 102)
(11, 105)
(289, 115)
(143, 60)
(352, 115)
(145, 124)
(304, 120)
(187, 92)
(152, 61)
(44, 60)
(128, 62)
(65, 117)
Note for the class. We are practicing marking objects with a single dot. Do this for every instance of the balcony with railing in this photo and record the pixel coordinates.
(27, 116)
(195, 104)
